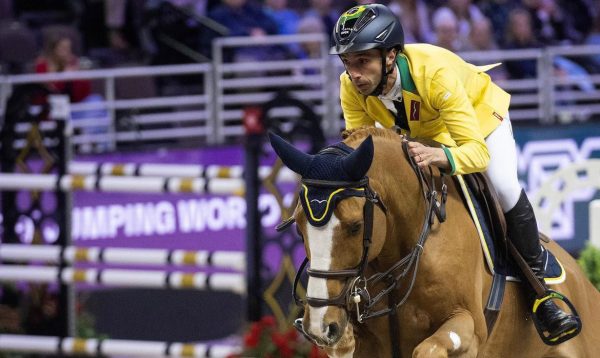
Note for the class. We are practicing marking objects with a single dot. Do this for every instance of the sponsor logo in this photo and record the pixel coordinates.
(415, 107)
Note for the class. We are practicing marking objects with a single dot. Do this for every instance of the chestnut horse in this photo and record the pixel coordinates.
(387, 280)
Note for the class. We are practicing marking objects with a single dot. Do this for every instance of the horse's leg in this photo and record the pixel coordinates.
(456, 336)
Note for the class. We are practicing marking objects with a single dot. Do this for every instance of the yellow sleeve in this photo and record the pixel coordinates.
(449, 97)
(354, 113)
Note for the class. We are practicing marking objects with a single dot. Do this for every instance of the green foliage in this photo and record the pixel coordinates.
(589, 260)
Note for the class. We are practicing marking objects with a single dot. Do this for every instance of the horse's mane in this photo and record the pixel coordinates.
(357, 134)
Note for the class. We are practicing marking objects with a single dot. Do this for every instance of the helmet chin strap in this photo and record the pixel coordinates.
(384, 75)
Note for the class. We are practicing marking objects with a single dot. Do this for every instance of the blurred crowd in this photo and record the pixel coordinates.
(61, 35)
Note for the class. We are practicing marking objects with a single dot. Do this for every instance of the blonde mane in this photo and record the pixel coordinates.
(359, 134)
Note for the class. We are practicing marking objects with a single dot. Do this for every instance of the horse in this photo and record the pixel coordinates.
(387, 280)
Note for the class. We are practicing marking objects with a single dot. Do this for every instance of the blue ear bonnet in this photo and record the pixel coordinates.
(319, 202)
(328, 176)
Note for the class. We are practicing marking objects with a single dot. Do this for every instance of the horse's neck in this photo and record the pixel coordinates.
(403, 198)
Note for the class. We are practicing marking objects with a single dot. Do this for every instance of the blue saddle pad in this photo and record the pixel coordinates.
(498, 263)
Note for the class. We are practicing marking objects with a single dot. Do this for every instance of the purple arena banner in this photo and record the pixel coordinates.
(171, 221)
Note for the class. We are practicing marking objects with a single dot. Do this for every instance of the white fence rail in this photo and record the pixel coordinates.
(53, 254)
(112, 347)
(232, 282)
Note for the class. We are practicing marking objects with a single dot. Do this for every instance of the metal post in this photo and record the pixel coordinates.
(110, 93)
(60, 113)
(217, 93)
(253, 146)
(546, 87)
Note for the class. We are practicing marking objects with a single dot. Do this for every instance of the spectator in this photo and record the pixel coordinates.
(497, 12)
(58, 57)
(580, 15)
(310, 25)
(593, 37)
(286, 18)
(114, 15)
(323, 10)
(481, 38)
(445, 26)
(550, 23)
(520, 35)
(245, 19)
(466, 13)
(414, 16)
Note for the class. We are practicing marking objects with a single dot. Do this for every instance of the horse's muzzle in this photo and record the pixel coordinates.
(333, 336)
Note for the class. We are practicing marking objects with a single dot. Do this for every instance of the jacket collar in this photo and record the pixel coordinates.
(404, 66)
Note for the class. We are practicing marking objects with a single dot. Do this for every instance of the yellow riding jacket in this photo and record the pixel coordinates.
(446, 99)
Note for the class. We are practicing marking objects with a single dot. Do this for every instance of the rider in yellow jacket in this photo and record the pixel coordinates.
(472, 104)
(432, 93)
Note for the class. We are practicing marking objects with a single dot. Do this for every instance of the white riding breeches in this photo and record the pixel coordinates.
(502, 168)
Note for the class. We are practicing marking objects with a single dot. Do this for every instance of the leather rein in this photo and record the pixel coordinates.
(355, 293)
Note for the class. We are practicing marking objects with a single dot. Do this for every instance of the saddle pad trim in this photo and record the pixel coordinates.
(486, 252)
(559, 279)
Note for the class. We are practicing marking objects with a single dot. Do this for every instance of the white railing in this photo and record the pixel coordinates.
(114, 119)
(211, 111)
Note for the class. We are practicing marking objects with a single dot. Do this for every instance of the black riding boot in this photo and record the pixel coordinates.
(523, 232)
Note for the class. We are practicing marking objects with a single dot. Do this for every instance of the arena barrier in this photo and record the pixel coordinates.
(133, 178)
(174, 170)
(68, 182)
(234, 282)
(560, 186)
(52, 254)
(111, 347)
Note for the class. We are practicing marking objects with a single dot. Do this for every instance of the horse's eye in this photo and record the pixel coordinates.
(354, 228)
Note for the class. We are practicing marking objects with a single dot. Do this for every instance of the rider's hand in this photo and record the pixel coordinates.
(425, 156)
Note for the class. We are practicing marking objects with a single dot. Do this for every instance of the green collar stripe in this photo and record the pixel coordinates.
(405, 78)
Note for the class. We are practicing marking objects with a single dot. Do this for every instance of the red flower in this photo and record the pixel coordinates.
(266, 339)
(292, 334)
(252, 338)
(282, 344)
(316, 352)
(268, 321)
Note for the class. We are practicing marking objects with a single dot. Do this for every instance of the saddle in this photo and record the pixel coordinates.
(493, 224)
(486, 196)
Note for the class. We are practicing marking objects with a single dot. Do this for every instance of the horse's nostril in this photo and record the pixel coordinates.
(333, 331)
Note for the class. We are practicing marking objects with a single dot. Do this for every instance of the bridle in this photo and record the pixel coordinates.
(357, 272)
(355, 293)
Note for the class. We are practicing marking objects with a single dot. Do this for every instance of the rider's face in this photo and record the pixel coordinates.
(364, 68)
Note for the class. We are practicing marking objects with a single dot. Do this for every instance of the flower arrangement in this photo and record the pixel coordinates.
(589, 260)
(264, 339)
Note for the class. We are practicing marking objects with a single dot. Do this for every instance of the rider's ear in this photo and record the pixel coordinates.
(391, 55)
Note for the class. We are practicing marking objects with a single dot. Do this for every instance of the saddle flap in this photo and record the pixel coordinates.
(484, 192)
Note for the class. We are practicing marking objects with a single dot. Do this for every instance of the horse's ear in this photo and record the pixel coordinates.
(293, 158)
(357, 163)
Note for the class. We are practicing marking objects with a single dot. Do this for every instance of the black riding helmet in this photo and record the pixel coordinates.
(367, 27)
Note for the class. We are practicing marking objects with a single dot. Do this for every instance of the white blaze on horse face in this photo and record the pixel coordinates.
(320, 243)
